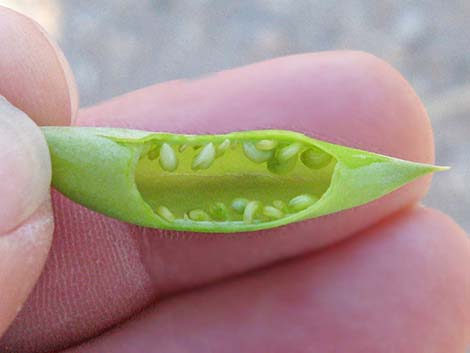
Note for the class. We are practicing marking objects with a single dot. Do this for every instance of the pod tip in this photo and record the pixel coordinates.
(438, 168)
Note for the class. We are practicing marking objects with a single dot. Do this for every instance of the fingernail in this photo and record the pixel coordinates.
(25, 167)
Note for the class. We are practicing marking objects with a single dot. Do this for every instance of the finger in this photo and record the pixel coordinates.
(35, 74)
(401, 287)
(30, 69)
(345, 97)
(25, 213)
(326, 95)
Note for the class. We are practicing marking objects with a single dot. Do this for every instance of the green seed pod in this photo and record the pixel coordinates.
(103, 169)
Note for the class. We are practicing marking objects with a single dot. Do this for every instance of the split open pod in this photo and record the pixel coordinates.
(241, 181)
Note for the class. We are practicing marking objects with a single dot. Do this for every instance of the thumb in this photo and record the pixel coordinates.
(36, 78)
(25, 215)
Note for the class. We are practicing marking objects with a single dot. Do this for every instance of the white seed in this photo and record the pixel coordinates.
(301, 202)
(288, 152)
(250, 211)
(220, 149)
(272, 212)
(266, 145)
(199, 215)
(315, 158)
(255, 155)
(165, 213)
(168, 160)
(239, 204)
(204, 158)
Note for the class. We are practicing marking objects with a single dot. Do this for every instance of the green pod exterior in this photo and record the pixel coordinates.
(100, 168)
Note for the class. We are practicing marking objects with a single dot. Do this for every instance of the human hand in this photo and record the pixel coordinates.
(385, 277)
(32, 78)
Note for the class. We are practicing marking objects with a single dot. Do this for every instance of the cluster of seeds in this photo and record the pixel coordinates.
(249, 210)
(280, 158)
(168, 159)
(252, 210)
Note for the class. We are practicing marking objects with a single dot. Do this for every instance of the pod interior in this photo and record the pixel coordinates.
(231, 180)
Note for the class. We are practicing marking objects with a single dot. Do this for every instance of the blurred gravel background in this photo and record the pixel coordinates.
(121, 45)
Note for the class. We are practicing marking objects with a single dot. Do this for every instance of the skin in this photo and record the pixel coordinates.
(393, 278)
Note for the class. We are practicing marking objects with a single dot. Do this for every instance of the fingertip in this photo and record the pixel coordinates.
(352, 98)
(25, 167)
(387, 109)
(35, 74)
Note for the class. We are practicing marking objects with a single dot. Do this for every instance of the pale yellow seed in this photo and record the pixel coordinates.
(255, 155)
(250, 211)
(239, 204)
(272, 212)
(199, 215)
(301, 202)
(266, 145)
(204, 158)
(288, 152)
(168, 160)
(165, 213)
(220, 149)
